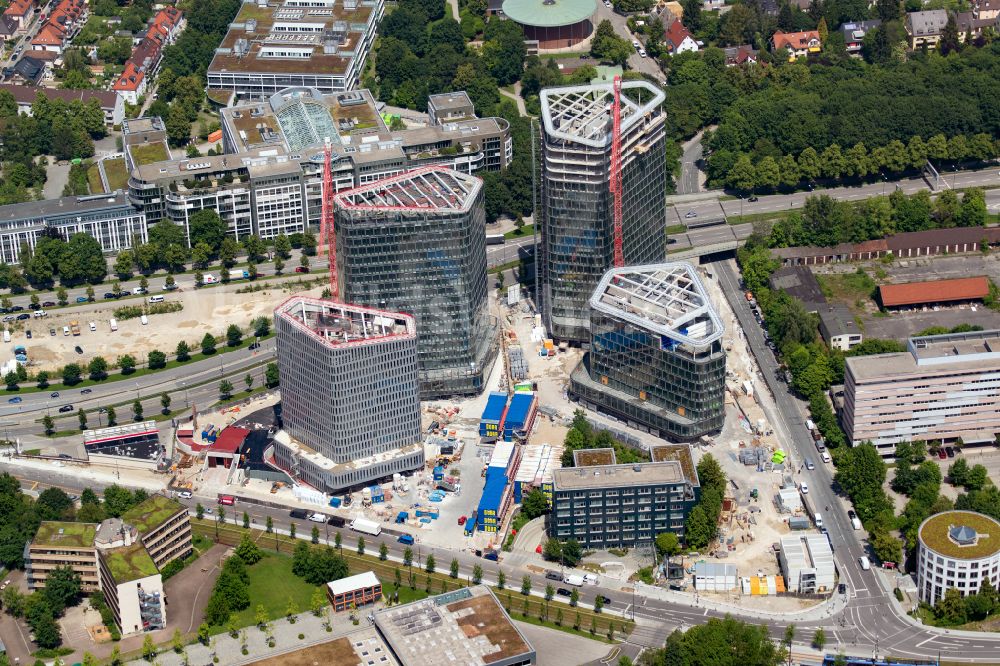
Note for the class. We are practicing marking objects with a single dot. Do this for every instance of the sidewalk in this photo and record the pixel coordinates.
(835, 604)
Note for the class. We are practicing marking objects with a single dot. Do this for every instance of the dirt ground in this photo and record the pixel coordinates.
(209, 310)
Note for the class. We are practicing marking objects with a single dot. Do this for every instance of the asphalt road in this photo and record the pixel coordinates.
(870, 621)
(196, 382)
(688, 181)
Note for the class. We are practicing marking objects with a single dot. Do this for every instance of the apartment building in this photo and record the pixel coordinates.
(110, 218)
(427, 224)
(271, 46)
(575, 216)
(133, 589)
(349, 394)
(942, 388)
(164, 526)
(656, 359)
(620, 506)
(60, 544)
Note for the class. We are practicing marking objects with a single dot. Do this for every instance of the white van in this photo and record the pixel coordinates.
(208, 278)
(65, 330)
(810, 426)
(144, 319)
(114, 324)
(155, 299)
(818, 519)
(6, 335)
(865, 563)
(826, 456)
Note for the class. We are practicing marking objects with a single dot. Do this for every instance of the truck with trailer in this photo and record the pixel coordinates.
(366, 526)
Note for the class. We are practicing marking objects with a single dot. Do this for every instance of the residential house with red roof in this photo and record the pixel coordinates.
(20, 12)
(740, 55)
(145, 60)
(61, 26)
(679, 39)
(797, 44)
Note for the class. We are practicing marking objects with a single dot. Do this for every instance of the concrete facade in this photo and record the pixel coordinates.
(944, 387)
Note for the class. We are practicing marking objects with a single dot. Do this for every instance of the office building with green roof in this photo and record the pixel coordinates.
(59, 544)
(133, 588)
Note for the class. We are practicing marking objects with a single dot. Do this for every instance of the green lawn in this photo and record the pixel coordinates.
(94, 180)
(272, 583)
(115, 171)
(149, 153)
(676, 229)
(526, 230)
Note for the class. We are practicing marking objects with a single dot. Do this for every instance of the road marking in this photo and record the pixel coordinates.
(925, 641)
(705, 613)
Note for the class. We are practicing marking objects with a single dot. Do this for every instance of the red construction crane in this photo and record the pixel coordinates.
(327, 230)
(615, 182)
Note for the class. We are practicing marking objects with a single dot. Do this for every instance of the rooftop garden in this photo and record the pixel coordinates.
(151, 513)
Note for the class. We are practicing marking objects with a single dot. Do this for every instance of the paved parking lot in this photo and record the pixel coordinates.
(901, 325)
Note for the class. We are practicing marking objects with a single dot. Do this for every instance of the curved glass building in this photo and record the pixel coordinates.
(416, 243)
(575, 222)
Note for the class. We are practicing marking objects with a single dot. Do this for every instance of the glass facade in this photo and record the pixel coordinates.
(576, 216)
(430, 264)
(350, 400)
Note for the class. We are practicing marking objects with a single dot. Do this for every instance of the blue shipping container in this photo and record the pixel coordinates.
(489, 425)
(519, 413)
(489, 505)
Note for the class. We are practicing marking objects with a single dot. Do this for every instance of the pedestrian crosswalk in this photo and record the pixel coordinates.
(649, 635)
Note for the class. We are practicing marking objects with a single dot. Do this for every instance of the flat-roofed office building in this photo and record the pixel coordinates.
(941, 389)
(620, 506)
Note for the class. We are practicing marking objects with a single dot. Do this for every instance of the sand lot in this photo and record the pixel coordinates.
(207, 310)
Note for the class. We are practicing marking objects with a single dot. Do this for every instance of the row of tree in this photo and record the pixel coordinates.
(824, 221)
(701, 526)
(745, 172)
(231, 592)
(582, 436)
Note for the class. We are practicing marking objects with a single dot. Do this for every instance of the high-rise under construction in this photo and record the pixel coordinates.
(416, 243)
(575, 212)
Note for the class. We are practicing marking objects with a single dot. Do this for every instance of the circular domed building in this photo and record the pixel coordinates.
(554, 24)
(958, 549)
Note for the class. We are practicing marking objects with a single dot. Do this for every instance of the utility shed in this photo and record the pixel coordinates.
(715, 577)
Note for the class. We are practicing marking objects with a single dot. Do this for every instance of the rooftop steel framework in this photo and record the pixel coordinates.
(668, 299)
(431, 188)
(583, 114)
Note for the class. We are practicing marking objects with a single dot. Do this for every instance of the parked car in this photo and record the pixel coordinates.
(49, 304)
(461, 520)
(28, 334)
(65, 408)
(851, 514)
(81, 299)
(563, 592)
(753, 199)
(14, 400)
(949, 451)
(804, 487)
(809, 464)
(842, 588)
(23, 316)
(690, 214)
(54, 394)
(301, 269)
(17, 308)
(185, 494)
(52, 331)
(941, 452)
(9, 318)
(108, 295)
(86, 391)
(78, 349)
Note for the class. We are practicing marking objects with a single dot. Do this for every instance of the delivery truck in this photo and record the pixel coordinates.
(366, 526)
(573, 579)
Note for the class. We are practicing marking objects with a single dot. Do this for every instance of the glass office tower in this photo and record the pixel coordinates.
(350, 412)
(656, 357)
(416, 243)
(575, 212)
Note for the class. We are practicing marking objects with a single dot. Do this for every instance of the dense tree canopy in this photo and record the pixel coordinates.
(725, 642)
